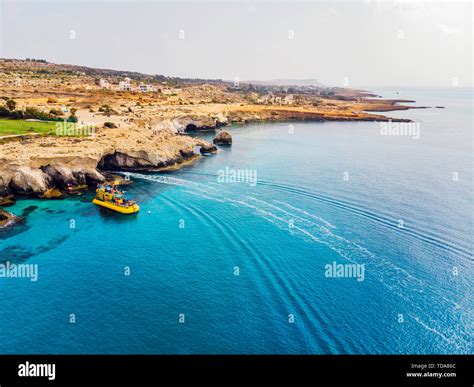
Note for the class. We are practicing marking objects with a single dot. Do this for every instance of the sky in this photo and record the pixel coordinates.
(339, 43)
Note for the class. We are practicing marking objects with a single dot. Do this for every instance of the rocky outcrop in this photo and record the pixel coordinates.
(194, 122)
(199, 122)
(223, 138)
(8, 219)
(53, 193)
(119, 160)
(141, 161)
(208, 149)
(42, 164)
(62, 175)
(7, 200)
(27, 180)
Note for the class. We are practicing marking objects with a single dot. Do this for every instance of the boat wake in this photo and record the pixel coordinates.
(314, 228)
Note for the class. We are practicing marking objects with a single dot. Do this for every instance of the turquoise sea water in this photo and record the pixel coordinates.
(326, 192)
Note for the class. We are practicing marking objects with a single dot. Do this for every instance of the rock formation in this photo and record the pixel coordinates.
(206, 149)
(34, 166)
(223, 138)
(8, 219)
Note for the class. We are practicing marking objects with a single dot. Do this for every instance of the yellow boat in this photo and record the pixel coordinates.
(109, 197)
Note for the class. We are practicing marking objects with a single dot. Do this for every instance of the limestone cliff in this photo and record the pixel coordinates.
(33, 165)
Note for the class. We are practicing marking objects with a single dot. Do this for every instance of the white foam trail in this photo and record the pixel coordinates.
(292, 216)
(306, 213)
(205, 196)
(427, 327)
(396, 279)
(266, 213)
(172, 181)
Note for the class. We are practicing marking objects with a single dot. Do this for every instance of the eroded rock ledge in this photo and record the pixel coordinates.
(8, 219)
(37, 164)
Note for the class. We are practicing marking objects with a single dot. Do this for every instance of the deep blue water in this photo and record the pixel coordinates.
(193, 231)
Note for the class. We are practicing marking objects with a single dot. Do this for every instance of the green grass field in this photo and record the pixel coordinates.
(9, 127)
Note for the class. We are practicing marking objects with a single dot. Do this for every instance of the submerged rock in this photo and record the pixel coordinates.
(223, 138)
(8, 219)
(28, 210)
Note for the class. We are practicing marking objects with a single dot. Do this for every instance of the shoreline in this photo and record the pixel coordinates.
(142, 131)
(61, 171)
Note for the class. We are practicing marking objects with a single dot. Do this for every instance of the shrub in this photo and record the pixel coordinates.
(52, 100)
(35, 113)
(109, 125)
(10, 104)
(107, 110)
(56, 112)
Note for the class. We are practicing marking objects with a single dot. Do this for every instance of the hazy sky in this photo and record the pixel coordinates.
(365, 43)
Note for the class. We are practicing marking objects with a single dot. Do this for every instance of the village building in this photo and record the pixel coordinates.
(145, 88)
(275, 99)
(125, 85)
(104, 84)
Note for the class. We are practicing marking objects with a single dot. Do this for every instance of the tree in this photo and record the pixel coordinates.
(11, 104)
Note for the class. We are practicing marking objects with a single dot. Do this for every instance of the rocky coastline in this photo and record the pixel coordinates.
(139, 131)
(32, 165)
(37, 165)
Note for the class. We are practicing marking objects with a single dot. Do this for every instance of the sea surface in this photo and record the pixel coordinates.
(214, 266)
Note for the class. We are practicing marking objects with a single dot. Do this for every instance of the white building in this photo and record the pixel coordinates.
(273, 99)
(125, 85)
(145, 88)
(104, 84)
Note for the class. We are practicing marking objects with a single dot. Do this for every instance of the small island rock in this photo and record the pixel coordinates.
(223, 138)
(208, 149)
